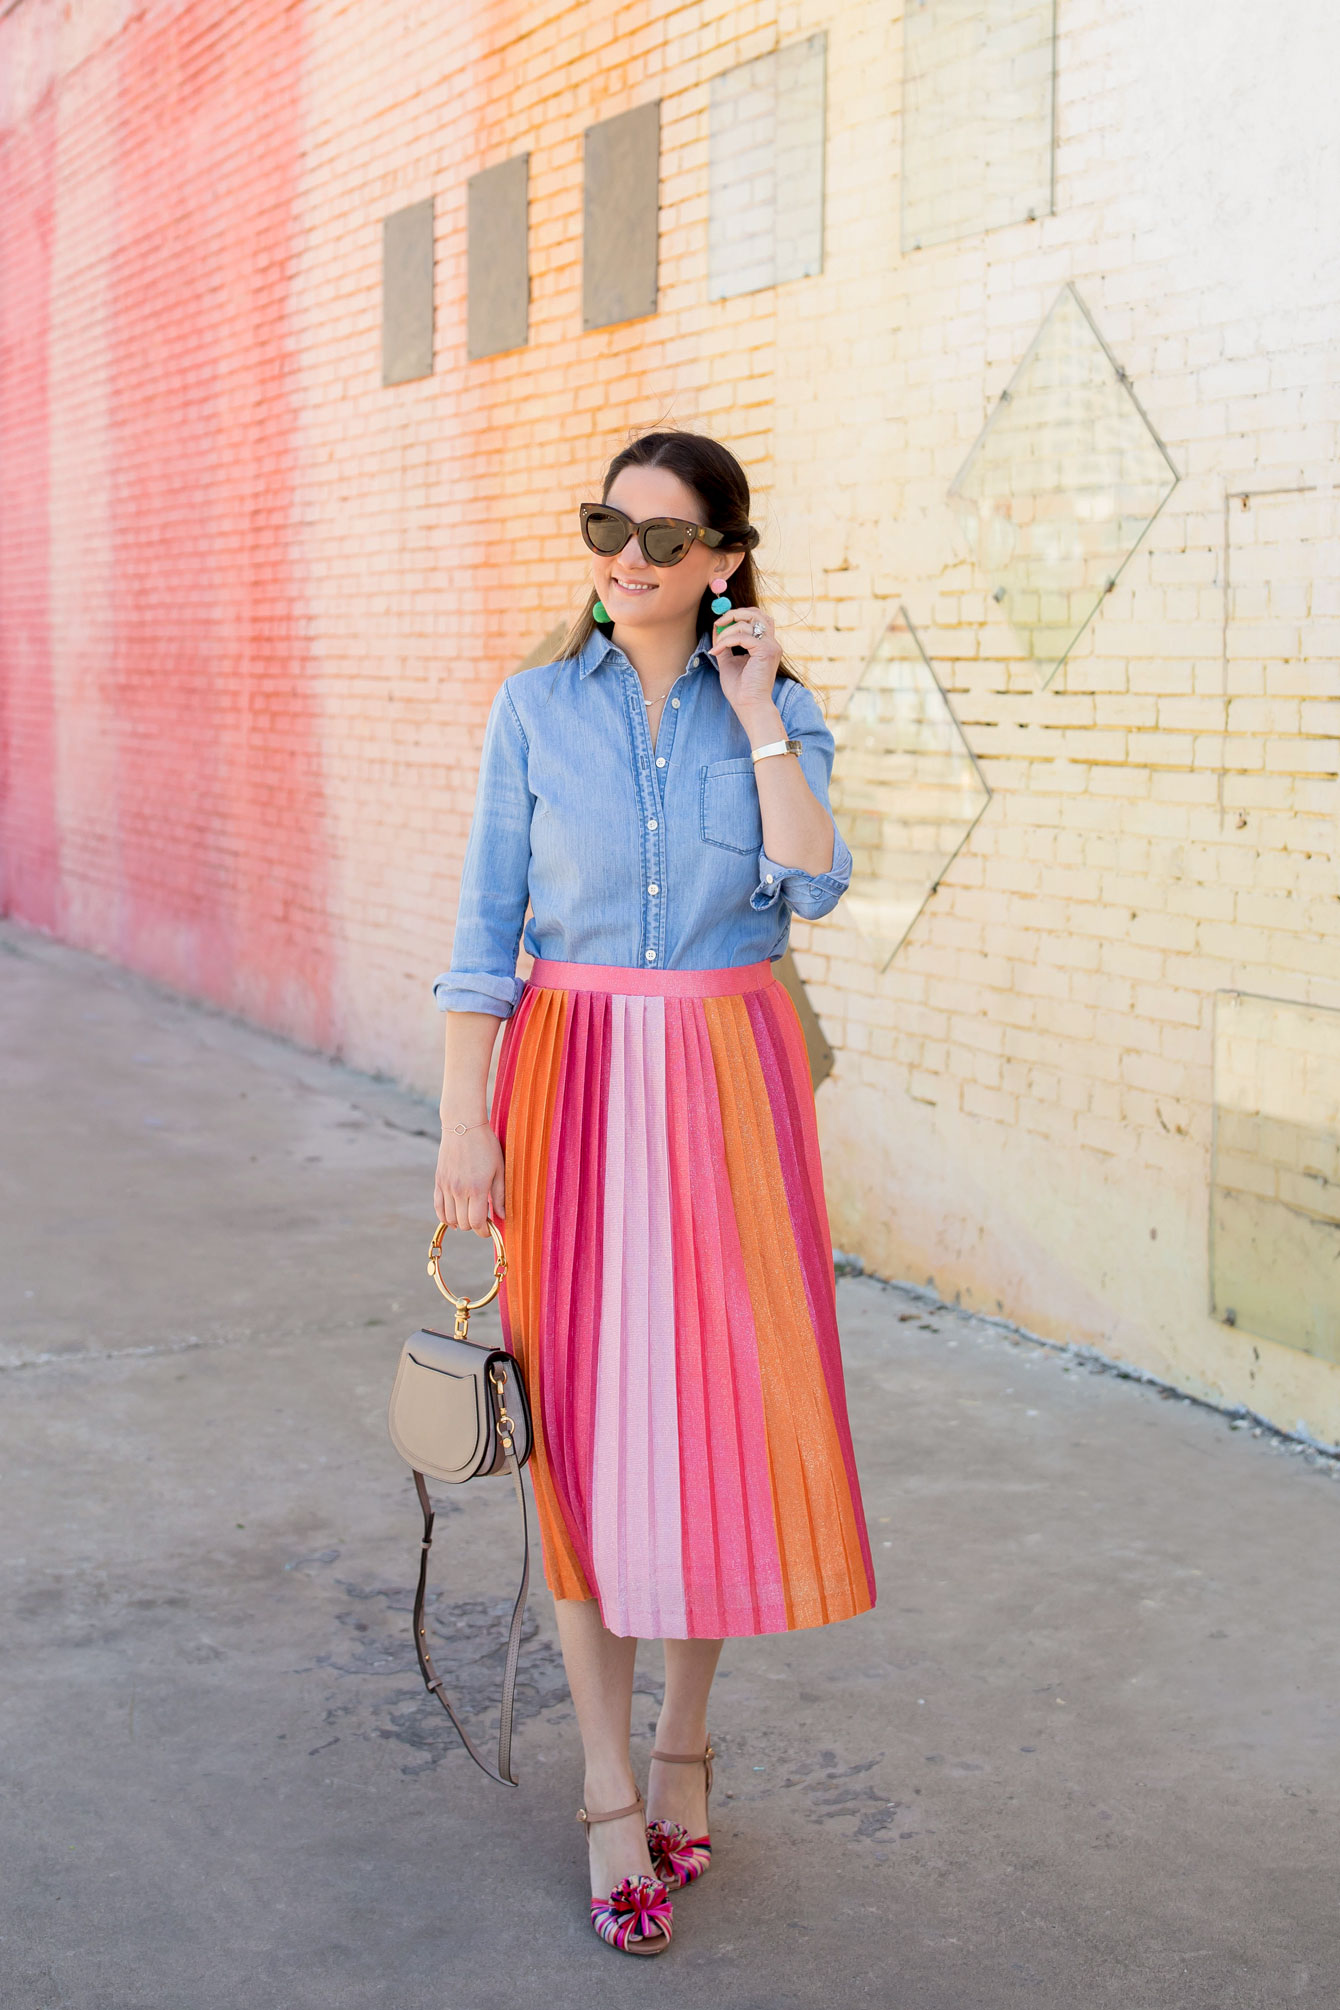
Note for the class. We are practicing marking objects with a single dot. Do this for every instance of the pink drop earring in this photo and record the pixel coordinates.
(721, 605)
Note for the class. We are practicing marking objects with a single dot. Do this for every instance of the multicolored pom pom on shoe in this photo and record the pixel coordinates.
(637, 1917)
(677, 1857)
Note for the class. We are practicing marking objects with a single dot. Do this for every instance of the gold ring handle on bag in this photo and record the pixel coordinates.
(465, 1306)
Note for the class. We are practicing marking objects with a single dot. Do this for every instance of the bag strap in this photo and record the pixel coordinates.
(432, 1680)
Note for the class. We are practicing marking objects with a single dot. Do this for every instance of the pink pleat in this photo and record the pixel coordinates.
(732, 1567)
(636, 1512)
(573, 1264)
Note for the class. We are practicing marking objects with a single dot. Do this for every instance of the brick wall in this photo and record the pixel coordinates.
(29, 856)
(253, 605)
(157, 620)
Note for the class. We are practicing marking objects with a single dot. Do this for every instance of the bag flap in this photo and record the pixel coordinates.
(437, 1419)
(444, 1351)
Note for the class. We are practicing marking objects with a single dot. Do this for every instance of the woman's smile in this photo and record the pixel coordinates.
(633, 585)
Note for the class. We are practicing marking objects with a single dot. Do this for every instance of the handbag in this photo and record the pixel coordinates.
(459, 1412)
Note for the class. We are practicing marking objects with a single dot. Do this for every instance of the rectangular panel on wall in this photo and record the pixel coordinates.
(407, 293)
(621, 217)
(978, 88)
(1275, 1176)
(766, 171)
(498, 276)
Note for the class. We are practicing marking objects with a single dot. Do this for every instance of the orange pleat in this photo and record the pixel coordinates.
(812, 1504)
(529, 1124)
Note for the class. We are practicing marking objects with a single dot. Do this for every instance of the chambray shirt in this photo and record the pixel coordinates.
(628, 854)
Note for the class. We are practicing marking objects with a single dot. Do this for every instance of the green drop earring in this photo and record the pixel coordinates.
(598, 612)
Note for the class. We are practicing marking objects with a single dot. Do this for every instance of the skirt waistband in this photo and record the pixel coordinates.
(549, 976)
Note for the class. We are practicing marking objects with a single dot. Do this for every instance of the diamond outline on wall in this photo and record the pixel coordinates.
(907, 788)
(1061, 484)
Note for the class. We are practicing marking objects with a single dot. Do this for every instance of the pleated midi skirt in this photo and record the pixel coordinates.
(670, 1298)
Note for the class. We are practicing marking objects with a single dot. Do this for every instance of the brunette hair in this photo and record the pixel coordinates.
(722, 489)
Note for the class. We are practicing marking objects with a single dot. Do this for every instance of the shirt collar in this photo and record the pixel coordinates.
(599, 647)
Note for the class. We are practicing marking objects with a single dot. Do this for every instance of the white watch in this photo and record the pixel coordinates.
(775, 747)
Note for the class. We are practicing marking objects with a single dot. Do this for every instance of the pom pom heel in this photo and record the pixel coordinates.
(637, 1917)
(678, 1858)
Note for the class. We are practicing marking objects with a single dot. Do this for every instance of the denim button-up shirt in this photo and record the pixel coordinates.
(627, 854)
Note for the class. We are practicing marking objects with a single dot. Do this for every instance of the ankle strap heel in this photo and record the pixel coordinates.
(637, 1917)
(690, 1759)
(678, 1858)
(588, 1822)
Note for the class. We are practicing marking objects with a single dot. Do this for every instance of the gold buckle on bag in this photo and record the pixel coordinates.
(465, 1306)
(506, 1426)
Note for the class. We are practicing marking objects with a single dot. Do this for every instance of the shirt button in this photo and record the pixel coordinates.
(651, 956)
(660, 760)
(653, 890)
(674, 702)
(767, 879)
(651, 823)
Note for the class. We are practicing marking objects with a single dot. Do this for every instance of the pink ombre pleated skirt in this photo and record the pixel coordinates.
(670, 1298)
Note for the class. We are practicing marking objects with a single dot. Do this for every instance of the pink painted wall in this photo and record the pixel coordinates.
(180, 800)
(29, 844)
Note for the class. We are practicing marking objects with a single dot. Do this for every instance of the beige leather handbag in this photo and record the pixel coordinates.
(459, 1412)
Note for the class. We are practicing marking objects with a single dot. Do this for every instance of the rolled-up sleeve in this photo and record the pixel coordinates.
(495, 881)
(808, 894)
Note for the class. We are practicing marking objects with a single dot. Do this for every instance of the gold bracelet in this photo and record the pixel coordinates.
(460, 1129)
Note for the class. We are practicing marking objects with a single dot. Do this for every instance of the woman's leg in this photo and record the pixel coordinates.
(600, 1675)
(679, 1793)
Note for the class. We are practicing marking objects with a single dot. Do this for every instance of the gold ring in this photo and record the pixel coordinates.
(499, 1270)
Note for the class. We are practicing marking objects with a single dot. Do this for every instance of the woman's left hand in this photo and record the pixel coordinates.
(746, 681)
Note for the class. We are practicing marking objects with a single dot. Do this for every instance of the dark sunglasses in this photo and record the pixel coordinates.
(663, 540)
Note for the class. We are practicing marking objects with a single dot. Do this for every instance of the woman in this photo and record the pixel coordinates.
(659, 797)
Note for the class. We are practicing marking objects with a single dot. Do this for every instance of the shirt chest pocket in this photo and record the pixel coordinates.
(729, 815)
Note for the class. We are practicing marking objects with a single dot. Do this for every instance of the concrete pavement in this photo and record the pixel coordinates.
(1084, 1752)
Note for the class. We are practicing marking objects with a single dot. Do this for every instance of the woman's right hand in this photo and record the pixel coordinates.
(469, 1177)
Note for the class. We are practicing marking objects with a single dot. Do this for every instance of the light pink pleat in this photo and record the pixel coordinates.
(636, 1536)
